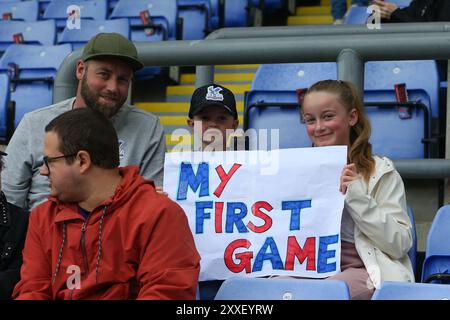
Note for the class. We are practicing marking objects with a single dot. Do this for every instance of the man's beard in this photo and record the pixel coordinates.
(91, 99)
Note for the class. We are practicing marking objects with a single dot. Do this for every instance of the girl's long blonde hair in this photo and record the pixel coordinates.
(359, 148)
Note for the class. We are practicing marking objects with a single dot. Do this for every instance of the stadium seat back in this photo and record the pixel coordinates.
(162, 13)
(214, 14)
(79, 37)
(20, 10)
(415, 74)
(437, 253)
(37, 68)
(196, 16)
(278, 110)
(391, 290)
(413, 251)
(235, 13)
(271, 5)
(291, 76)
(401, 3)
(4, 100)
(282, 289)
(89, 9)
(39, 32)
(392, 135)
(207, 290)
(356, 15)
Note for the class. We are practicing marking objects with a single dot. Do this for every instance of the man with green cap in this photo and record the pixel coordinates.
(104, 74)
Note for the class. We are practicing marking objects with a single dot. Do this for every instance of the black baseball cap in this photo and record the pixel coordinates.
(212, 95)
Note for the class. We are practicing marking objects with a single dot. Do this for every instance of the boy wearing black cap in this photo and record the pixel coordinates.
(213, 117)
(104, 72)
(13, 229)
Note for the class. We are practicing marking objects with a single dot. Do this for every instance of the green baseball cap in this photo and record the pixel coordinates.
(112, 45)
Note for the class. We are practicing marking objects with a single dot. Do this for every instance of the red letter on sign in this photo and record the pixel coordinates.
(308, 252)
(224, 178)
(244, 257)
(256, 210)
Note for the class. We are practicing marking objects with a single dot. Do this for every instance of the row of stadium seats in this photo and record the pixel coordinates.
(273, 103)
(302, 289)
(28, 73)
(435, 277)
(148, 19)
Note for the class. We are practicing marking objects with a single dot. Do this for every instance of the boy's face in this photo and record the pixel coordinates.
(210, 118)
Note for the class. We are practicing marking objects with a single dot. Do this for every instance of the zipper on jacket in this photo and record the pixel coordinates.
(83, 244)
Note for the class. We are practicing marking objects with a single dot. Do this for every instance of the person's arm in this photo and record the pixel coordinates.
(36, 274)
(383, 218)
(170, 264)
(16, 237)
(152, 166)
(391, 13)
(17, 174)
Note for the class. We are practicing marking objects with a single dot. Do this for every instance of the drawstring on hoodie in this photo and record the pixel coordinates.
(99, 253)
(58, 264)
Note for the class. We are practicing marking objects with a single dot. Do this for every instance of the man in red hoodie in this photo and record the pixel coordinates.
(104, 232)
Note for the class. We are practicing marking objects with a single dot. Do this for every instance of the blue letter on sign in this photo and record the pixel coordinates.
(324, 254)
(273, 256)
(236, 211)
(201, 215)
(189, 179)
(296, 207)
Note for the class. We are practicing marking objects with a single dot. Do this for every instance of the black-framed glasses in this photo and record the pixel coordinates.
(48, 160)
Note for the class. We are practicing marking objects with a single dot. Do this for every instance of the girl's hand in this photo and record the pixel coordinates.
(349, 174)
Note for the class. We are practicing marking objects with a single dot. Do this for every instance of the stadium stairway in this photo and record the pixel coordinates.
(313, 14)
(173, 112)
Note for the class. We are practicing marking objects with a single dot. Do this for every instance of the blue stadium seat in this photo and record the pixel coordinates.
(215, 23)
(379, 75)
(416, 74)
(390, 290)
(235, 13)
(393, 136)
(20, 10)
(436, 267)
(413, 251)
(275, 110)
(112, 4)
(380, 80)
(32, 69)
(196, 16)
(356, 15)
(266, 109)
(43, 4)
(282, 289)
(39, 32)
(207, 290)
(163, 15)
(4, 103)
(401, 3)
(271, 5)
(79, 37)
(89, 9)
(292, 76)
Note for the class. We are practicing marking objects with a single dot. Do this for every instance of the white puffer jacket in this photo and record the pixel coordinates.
(382, 231)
